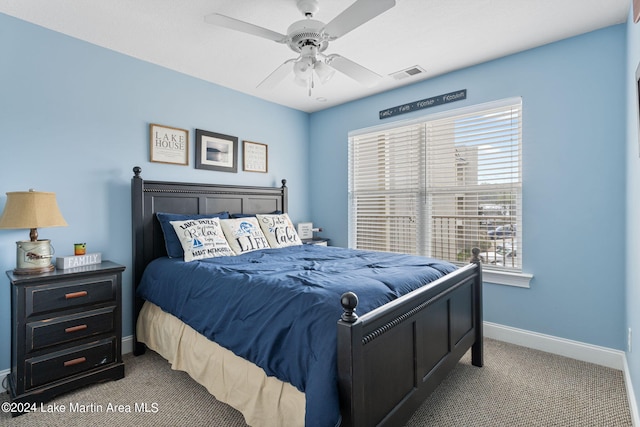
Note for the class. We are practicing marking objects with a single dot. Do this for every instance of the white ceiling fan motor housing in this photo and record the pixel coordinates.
(306, 32)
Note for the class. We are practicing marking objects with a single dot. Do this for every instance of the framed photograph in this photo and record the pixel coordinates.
(215, 151)
(168, 145)
(254, 157)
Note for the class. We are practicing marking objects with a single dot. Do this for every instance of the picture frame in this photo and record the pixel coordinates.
(216, 151)
(168, 145)
(255, 157)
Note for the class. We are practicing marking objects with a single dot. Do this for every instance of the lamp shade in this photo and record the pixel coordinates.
(31, 209)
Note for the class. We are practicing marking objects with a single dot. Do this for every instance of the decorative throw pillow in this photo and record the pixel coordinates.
(201, 238)
(171, 241)
(279, 230)
(244, 234)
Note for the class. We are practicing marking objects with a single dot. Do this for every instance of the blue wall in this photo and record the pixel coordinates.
(74, 120)
(574, 120)
(633, 203)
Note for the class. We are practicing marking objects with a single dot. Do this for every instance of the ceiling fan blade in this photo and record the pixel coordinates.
(357, 72)
(355, 15)
(277, 75)
(245, 27)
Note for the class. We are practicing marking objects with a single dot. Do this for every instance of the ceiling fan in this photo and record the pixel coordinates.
(310, 38)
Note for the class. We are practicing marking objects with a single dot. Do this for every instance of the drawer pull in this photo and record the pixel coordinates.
(76, 328)
(76, 294)
(73, 362)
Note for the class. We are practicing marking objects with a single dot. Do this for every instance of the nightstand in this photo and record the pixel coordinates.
(316, 241)
(66, 331)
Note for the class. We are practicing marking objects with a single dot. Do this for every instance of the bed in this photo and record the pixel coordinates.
(387, 359)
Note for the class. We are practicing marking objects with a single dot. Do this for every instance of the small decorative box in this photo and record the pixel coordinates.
(63, 262)
(305, 230)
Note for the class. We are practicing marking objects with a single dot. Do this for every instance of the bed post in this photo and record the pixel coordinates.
(137, 208)
(285, 196)
(350, 373)
(477, 352)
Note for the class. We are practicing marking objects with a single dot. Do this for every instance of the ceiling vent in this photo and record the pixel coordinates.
(409, 72)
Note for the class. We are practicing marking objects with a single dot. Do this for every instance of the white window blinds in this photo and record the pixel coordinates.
(474, 185)
(442, 185)
(386, 180)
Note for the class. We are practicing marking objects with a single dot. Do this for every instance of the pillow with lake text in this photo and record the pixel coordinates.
(279, 230)
(171, 241)
(201, 238)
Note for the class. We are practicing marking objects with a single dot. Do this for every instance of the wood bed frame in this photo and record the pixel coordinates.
(390, 359)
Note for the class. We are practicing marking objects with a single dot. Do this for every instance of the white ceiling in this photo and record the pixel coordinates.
(437, 35)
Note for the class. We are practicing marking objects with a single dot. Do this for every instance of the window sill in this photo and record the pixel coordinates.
(520, 280)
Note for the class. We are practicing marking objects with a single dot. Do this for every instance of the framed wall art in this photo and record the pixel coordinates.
(215, 151)
(254, 157)
(168, 145)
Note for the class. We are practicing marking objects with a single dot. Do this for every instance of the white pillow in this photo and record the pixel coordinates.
(201, 238)
(279, 230)
(244, 234)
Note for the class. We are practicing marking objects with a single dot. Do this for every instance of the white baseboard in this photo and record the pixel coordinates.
(633, 406)
(563, 347)
(127, 344)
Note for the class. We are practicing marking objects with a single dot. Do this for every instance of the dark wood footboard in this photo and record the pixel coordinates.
(392, 358)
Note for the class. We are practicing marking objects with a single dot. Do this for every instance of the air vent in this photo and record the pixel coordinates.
(409, 72)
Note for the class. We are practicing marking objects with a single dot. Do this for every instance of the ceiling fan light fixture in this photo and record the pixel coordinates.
(324, 72)
(303, 68)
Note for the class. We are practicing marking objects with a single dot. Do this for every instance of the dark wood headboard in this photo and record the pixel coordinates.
(149, 197)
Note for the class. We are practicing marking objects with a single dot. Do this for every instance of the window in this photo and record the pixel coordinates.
(441, 185)
(386, 182)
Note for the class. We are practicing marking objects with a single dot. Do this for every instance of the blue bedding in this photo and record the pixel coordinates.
(278, 308)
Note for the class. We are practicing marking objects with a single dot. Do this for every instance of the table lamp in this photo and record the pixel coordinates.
(32, 209)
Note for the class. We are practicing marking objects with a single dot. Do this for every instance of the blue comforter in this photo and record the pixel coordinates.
(278, 308)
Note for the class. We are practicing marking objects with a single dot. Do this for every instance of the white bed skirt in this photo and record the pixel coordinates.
(262, 400)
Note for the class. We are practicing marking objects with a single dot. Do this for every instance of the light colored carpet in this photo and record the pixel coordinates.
(516, 387)
(522, 387)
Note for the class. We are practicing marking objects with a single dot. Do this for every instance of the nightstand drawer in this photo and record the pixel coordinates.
(63, 329)
(49, 298)
(41, 370)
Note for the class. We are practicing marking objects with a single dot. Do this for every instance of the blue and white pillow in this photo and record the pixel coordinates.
(279, 230)
(201, 238)
(244, 234)
(171, 241)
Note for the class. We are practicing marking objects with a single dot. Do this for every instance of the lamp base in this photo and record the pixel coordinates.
(34, 270)
(34, 257)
